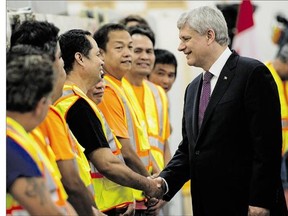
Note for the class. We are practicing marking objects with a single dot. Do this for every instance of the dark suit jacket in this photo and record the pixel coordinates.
(234, 159)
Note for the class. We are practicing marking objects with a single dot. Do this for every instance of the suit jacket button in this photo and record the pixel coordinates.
(197, 152)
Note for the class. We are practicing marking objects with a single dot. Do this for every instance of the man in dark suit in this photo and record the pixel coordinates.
(232, 151)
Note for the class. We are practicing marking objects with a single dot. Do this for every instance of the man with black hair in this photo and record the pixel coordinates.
(39, 34)
(115, 45)
(33, 186)
(165, 69)
(148, 100)
(133, 20)
(53, 132)
(83, 66)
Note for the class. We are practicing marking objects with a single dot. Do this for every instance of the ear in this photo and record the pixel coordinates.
(79, 58)
(42, 106)
(210, 36)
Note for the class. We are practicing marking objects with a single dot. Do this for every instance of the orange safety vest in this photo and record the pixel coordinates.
(137, 131)
(283, 95)
(108, 194)
(16, 132)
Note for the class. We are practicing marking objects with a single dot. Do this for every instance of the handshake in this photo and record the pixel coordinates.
(157, 188)
(154, 195)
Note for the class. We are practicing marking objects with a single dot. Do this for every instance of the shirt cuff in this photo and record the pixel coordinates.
(166, 186)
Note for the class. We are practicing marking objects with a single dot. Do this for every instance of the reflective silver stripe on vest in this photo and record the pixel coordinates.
(74, 147)
(67, 92)
(93, 168)
(159, 106)
(156, 143)
(91, 189)
(109, 135)
(284, 123)
(110, 138)
(50, 182)
(128, 118)
(130, 124)
(19, 212)
(145, 160)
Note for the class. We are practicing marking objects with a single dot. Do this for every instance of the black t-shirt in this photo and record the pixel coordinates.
(86, 126)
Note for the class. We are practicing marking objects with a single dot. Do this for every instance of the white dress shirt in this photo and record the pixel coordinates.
(217, 67)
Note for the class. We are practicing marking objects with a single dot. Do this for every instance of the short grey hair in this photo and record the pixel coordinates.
(204, 18)
(28, 79)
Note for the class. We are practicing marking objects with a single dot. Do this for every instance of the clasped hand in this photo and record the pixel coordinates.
(157, 189)
(257, 211)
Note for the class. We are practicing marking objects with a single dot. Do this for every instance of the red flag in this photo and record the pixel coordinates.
(244, 42)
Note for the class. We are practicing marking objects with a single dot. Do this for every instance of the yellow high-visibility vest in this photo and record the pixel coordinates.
(108, 194)
(51, 175)
(156, 96)
(155, 112)
(137, 132)
(283, 95)
(81, 163)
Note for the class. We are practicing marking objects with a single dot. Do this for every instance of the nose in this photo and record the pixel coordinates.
(101, 61)
(127, 52)
(181, 46)
(144, 55)
(166, 79)
(101, 57)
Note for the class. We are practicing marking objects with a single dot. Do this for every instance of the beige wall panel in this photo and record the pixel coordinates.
(166, 4)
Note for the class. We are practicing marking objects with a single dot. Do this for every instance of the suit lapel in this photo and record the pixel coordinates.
(191, 108)
(197, 89)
